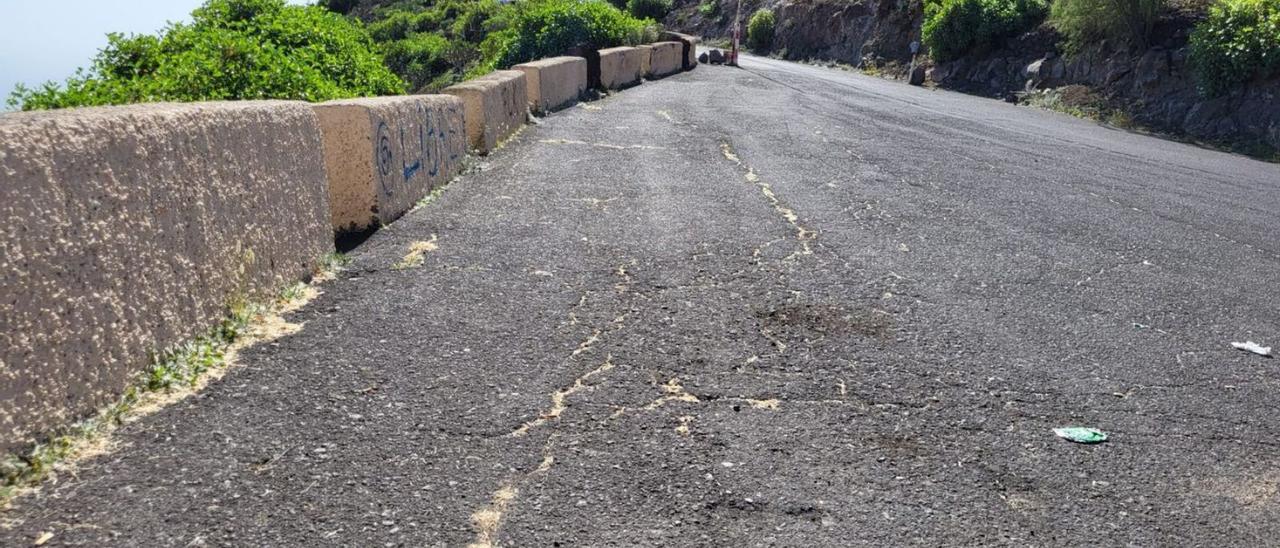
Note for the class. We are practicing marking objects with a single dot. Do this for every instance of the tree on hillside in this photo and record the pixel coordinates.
(232, 49)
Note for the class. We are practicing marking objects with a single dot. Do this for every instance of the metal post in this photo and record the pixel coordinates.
(737, 35)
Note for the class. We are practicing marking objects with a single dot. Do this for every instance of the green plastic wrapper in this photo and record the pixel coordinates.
(1080, 434)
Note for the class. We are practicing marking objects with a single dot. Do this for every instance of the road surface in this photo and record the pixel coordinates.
(776, 306)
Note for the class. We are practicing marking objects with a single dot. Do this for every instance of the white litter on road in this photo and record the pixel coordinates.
(1254, 347)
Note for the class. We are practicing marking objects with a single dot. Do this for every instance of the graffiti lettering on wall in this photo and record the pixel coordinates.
(422, 147)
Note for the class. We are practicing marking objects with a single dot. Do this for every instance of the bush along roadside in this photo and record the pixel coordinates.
(174, 373)
(232, 49)
(1238, 41)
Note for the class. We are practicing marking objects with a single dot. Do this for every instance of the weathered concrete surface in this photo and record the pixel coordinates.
(130, 229)
(384, 154)
(667, 59)
(554, 83)
(495, 106)
(620, 67)
(646, 60)
(689, 47)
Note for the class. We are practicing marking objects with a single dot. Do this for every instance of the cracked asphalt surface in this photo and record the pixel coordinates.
(777, 306)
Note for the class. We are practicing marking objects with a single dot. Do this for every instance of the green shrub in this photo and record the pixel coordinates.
(953, 28)
(419, 58)
(1238, 41)
(544, 28)
(340, 6)
(1081, 22)
(709, 8)
(760, 30)
(649, 9)
(232, 49)
(475, 22)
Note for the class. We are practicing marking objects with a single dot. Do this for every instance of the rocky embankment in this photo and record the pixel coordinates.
(1152, 87)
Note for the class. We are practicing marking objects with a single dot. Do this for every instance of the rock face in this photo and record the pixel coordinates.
(1155, 86)
(850, 31)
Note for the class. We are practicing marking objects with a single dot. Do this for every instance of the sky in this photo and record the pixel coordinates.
(43, 40)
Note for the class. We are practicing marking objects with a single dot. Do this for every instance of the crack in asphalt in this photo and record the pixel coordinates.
(559, 398)
(804, 235)
(488, 520)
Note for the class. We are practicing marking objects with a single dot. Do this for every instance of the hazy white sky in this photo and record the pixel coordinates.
(44, 40)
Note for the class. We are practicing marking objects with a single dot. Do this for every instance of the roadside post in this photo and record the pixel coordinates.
(737, 35)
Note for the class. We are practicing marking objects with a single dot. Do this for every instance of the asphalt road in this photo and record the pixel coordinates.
(776, 306)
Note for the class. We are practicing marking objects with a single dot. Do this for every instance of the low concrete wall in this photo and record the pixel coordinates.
(646, 60)
(384, 154)
(495, 106)
(689, 45)
(620, 67)
(130, 229)
(668, 58)
(554, 83)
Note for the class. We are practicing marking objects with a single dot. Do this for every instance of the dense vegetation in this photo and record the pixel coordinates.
(434, 43)
(543, 28)
(953, 28)
(1238, 41)
(1081, 22)
(760, 30)
(233, 49)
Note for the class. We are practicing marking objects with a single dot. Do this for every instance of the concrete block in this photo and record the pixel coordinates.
(125, 230)
(689, 45)
(554, 83)
(668, 59)
(620, 67)
(646, 60)
(383, 154)
(495, 106)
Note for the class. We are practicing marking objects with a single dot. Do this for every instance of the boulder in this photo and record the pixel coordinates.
(703, 58)
(917, 76)
(717, 57)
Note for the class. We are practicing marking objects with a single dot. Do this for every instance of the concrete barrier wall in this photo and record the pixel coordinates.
(689, 45)
(384, 154)
(130, 229)
(554, 83)
(646, 60)
(668, 58)
(620, 67)
(495, 106)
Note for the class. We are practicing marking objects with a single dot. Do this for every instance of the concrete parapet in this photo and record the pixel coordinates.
(383, 154)
(620, 67)
(495, 106)
(689, 45)
(128, 230)
(668, 58)
(646, 60)
(554, 83)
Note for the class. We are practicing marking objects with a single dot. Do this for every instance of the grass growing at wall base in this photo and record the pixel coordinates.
(179, 367)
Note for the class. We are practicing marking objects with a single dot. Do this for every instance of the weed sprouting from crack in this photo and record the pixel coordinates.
(417, 254)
